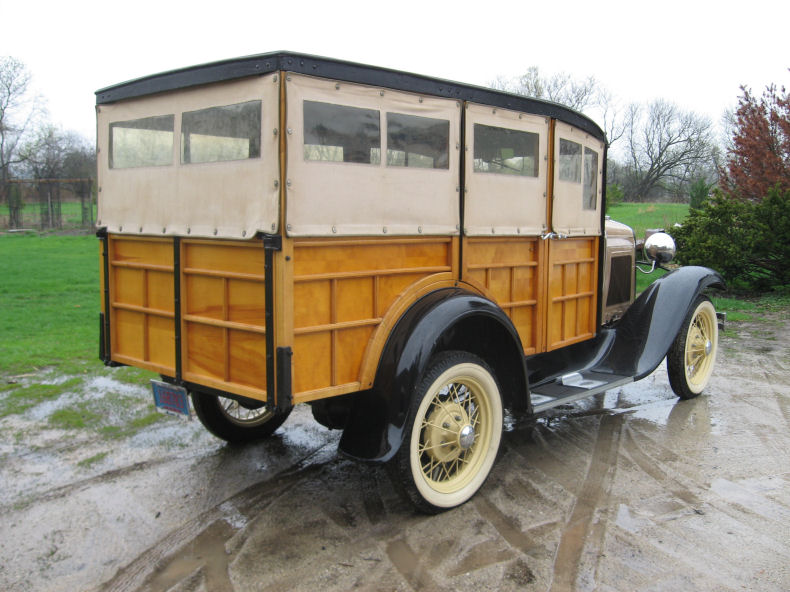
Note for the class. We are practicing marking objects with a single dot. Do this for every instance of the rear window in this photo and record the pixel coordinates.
(231, 132)
(421, 142)
(143, 142)
(338, 133)
(505, 151)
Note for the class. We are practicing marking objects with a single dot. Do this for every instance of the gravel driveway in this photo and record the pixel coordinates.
(631, 490)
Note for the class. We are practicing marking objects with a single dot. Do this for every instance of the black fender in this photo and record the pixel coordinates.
(447, 319)
(648, 328)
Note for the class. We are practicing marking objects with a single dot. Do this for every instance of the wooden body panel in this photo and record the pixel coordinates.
(341, 297)
(142, 302)
(223, 311)
(572, 287)
(343, 290)
(509, 271)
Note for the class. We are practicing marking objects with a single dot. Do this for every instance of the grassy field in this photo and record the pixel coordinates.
(50, 301)
(49, 336)
(70, 213)
(641, 216)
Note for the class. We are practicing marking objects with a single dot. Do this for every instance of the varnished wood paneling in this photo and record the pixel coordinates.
(342, 290)
(224, 315)
(141, 302)
(508, 271)
(572, 269)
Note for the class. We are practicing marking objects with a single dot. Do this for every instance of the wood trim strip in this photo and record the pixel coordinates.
(502, 265)
(370, 272)
(231, 275)
(146, 365)
(142, 266)
(143, 310)
(573, 261)
(578, 296)
(233, 325)
(367, 241)
(230, 387)
(330, 391)
(337, 326)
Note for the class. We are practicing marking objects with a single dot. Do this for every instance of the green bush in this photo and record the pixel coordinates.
(614, 195)
(748, 242)
(698, 193)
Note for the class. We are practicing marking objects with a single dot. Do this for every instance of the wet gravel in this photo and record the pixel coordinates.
(631, 490)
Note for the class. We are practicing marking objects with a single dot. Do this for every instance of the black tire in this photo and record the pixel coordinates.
(452, 435)
(692, 356)
(235, 422)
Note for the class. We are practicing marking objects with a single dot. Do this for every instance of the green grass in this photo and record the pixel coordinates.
(641, 216)
(70, 214)
(87, 462)
(49, 297)
(74, 418)
(22, 398)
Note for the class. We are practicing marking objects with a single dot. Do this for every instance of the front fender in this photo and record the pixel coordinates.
(439, 321)
(647, 330)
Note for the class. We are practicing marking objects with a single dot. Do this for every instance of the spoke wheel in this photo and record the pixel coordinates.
(691, 358)
(454, 433)
(234, 421)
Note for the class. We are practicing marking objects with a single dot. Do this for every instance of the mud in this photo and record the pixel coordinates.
(631, 490)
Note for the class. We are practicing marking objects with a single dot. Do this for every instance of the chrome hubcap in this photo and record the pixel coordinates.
(466, 437)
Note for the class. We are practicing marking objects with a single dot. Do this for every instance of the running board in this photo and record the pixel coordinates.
(573, 387)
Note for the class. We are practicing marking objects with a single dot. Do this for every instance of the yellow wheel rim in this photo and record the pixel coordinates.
(454, 440)
(701, 346)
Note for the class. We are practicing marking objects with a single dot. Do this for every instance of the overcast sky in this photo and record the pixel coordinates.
(696, 54)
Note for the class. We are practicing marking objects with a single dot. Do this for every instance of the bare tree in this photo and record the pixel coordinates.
(586, 95)
(664, 144)
(559, 88)
(18, 110)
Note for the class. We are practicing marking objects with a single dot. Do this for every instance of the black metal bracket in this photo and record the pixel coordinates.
(284, 388)
(271, 243)
(105, 353)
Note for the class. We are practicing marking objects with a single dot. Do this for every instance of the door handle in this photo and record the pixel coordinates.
(557, 235)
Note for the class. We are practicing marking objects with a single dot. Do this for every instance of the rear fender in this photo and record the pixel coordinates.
(647, 330)
(443, 320)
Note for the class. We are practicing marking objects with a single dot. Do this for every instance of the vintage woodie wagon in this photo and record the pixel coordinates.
(407, 255)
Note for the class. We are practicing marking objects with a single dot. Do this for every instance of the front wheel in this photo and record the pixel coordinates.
(453, 434)
(234, 421)
(692, 356)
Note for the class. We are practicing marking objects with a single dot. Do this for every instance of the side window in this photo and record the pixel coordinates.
(232, 132)
(421, 142)
(590, 195)
(142, 142)
(339, 133)
(505, 151)
(570, 161)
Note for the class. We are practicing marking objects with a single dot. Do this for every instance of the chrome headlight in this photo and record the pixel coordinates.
(660, 247)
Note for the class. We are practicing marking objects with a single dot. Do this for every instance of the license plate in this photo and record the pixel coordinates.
(171, 399)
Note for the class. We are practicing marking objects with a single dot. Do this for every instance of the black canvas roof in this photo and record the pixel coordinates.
(266, 63)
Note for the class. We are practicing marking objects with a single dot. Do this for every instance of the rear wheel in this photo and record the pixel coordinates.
(453, 434)
(234, 421)
(692, 356)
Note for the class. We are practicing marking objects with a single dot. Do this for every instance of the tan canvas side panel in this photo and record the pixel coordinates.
(228, 199)
(328, 198)
(496, 203)
(578, 182)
